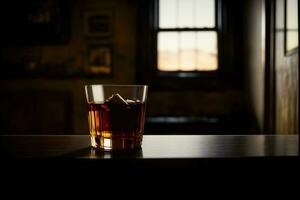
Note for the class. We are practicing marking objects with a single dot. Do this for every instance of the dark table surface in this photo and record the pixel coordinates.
(154, 147)
(171, 159)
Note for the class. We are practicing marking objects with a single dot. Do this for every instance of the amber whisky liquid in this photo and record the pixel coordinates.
(116, 126)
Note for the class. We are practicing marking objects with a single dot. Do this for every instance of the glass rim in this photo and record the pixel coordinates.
(115, 85)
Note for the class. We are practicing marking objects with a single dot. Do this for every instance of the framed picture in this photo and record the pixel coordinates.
(98, 23)
(99, 59)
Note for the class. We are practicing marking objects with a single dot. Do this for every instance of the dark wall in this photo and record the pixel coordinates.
(59, 67)
(272, 74)
(50, 68)
(36, 56)
(254, 58)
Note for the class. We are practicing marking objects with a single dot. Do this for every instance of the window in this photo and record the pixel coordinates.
(189, 44)
(187, 36)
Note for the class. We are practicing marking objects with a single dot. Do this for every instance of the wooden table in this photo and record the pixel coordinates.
(169, 156)
(154, 147)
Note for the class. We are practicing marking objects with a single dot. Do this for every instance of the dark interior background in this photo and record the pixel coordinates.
(43, 73)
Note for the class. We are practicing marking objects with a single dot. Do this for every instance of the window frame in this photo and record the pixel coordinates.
(186, 74)
(147, 71)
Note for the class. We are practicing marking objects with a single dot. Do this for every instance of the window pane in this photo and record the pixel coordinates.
(205, 14)
(187, 51)
(207, 51)
(167, 13)
(168, 51)
(292, 40)
(292, 14)
(186, 13)
(292, 24)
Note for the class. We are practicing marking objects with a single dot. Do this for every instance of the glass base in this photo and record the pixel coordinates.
(116, 143)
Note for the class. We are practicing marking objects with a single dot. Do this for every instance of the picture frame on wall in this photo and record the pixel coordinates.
(99, 59)
(98, 23)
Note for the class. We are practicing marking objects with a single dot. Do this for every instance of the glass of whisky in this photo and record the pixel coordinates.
(116, 115)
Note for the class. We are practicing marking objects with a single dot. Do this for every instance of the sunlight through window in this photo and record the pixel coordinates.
(187, 36)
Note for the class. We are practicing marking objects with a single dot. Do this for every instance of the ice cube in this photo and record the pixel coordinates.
(130, 101)
(133, 101)
(117, 99)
